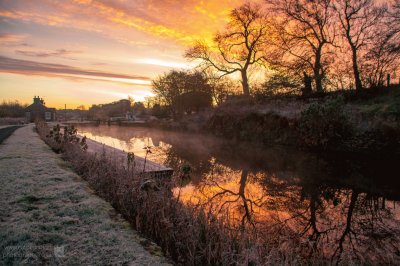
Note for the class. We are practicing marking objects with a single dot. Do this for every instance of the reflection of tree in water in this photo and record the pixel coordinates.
(176, 159)
(331, 219)
(337, 219)
(238, 199)
(330, 208)
(236, 195)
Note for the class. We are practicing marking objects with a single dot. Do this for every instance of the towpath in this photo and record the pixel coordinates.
(49, 215)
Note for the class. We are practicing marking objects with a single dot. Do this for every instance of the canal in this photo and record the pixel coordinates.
(334, 205)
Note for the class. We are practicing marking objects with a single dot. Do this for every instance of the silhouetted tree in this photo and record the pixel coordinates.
(383, 56)
(12, 109)
(221, 87)
(238, 48)
(358, 19)
(304, 28)
(170, 86)
(192, 101)
(394, 26)
(105, 111)
(281, 82)
(139, 107)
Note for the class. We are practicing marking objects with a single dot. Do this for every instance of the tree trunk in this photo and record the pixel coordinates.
(317, 72)
(356, 71)
(307, 90)
(347, 230)
(243, 182)
(245, 83)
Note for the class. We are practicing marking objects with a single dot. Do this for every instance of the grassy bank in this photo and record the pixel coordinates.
(366, 123)
(12, 120)
(349, 121)
(50, 216)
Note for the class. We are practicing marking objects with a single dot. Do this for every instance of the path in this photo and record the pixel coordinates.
(6, 131)
(49, 215)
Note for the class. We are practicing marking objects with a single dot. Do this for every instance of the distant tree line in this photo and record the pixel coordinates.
(114, 109)
(12, 109)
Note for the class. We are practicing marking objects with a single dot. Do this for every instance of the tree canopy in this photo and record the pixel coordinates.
(238, 48)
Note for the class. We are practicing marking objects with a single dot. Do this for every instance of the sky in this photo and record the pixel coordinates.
(84, 52)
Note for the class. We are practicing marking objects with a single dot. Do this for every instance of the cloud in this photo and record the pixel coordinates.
(182, 21)
(26, 67)
(56, 53)
(11, 37)
(163, 63)
(34, 16)
(13, 40)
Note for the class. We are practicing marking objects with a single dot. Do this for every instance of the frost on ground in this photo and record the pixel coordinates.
(49, 215)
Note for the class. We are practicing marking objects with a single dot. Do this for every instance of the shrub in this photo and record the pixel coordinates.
(58, 138)
(325, 124)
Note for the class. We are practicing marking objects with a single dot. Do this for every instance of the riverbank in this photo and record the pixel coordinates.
(192, 233)
(342, 122)
(248, 185)
(51, 216)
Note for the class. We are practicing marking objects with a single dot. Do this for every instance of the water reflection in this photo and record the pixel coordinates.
(334, 206)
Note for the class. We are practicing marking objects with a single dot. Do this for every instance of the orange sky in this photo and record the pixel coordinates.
(95, 51)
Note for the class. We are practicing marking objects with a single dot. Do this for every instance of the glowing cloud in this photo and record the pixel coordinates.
(26, 67)
(159, 62)
(108, 39)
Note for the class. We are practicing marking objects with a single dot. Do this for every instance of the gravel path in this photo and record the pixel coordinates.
(49, 215)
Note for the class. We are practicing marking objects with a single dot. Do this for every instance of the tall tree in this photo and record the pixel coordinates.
(393, 32)
(304, 28)
(359, 20)
(172, 85)
(238, 48)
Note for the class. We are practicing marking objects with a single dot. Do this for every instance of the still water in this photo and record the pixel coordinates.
(339, 206)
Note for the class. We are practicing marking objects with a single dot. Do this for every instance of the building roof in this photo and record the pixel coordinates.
(38, 106)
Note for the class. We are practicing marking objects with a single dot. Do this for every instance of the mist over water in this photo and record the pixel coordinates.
(334, 204)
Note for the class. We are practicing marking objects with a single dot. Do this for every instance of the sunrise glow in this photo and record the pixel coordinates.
(88, 52)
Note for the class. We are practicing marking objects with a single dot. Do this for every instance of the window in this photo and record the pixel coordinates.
(47, 115)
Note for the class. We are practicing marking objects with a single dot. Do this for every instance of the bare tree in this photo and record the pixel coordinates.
(304, 28)
(381, 59)
(238, 48)
(393, 35)
(384, 56)
(358, 19)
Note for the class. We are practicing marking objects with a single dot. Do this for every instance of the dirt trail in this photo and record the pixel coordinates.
(49, 215)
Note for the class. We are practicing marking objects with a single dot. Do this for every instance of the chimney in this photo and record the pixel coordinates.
(37, 99)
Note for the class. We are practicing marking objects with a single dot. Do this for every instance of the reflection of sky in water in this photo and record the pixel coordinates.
(135, 145)
(279, 192)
